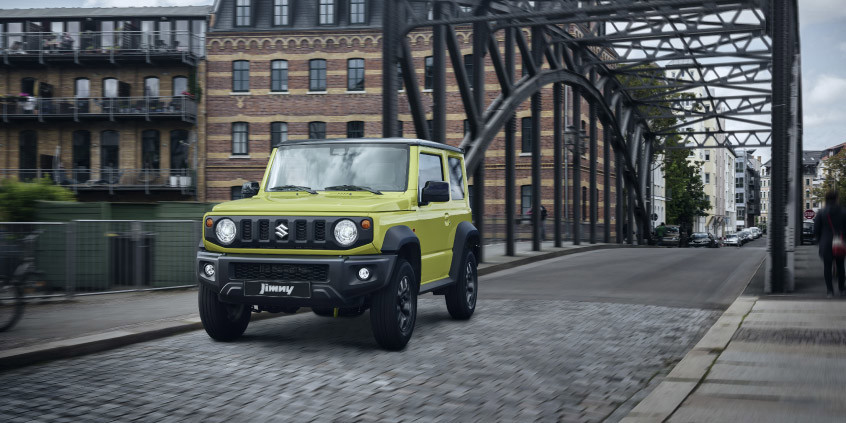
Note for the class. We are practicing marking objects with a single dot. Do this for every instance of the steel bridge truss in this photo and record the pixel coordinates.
(732, 63)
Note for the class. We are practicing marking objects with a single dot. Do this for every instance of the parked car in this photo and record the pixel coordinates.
(702, 239)
(745, 236)
(808, 233)
(755, 231)
(733, 240)
(671, 236)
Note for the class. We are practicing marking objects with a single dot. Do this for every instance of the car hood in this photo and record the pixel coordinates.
(340, 202)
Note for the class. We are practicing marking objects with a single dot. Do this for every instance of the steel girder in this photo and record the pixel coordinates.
(721, 49)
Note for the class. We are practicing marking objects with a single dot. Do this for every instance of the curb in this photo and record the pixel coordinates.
(666, 398)
(89, 344)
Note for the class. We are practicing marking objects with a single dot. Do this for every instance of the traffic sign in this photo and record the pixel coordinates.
(809, 214)
(654, 217)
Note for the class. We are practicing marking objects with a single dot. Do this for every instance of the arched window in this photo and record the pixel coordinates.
(82, 88)
(28, 86)
(110, 87)
(150, 150)
(110, 156)
(180, 85)
(81, 156)
(28, 155)
(151, 86)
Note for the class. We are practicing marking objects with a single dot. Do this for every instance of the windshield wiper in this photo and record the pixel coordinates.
(293, 188)
(352, 188)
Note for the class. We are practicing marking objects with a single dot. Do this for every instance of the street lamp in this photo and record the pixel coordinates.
(572, 138)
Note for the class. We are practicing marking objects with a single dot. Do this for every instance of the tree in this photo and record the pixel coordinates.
(683, 181)
(17, 199)
(834, 172)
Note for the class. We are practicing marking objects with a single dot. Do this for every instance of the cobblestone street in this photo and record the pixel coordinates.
(516, 360)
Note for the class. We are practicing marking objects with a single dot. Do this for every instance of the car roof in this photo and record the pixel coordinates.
(405, 141)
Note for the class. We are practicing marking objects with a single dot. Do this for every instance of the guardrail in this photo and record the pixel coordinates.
(111, 179)
(77, 45)
(93, 256)
(75, 108)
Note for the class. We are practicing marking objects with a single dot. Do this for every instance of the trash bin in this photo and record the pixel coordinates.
(130, 254)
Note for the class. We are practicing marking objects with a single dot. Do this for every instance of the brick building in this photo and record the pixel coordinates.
(104, 100)
(280, 70)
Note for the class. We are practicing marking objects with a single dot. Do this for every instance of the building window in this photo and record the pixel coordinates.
(526, 133)
(707, 178)
(110, 87)
(525, 199)
(279, 76)
(180, 86)
(278, 134)
(428, 73)
(738, 197)
(738, 182)
(430, 125)
(28, 86)
(110, 156)
(179, 150)
(355, 129)
(357, 11)
(707, 155)
(82, 88)
(151, 86)
(400, 80)
(468, 68)
(327, 12)
(317, 75)
(807, 181)
(150, 149)
(240, 76)
(242, 12)
(281, 12)
(240, 138)
(317, 130)
(28, 155)
(355, 75)
(400, 128)
(81, 171)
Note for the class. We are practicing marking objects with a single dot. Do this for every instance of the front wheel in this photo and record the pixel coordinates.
(11, 305)
(222, 321)
(394, 309)
(461, 296)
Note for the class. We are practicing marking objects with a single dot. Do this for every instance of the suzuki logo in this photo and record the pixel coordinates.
(281, 230)
(266, 288)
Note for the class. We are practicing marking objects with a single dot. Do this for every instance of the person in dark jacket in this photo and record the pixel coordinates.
(828, 223)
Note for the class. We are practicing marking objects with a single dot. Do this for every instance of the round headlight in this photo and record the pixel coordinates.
(225, 230)
(345, 232)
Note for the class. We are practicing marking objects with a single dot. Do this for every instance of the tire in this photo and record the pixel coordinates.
(461, 296)
(11, 305)
(393, 311)
(222, 321)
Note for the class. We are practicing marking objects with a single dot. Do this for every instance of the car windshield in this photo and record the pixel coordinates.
(340, 167)
(731, 236)
(672, 229)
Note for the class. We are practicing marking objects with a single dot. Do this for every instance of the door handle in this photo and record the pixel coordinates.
(446, 219)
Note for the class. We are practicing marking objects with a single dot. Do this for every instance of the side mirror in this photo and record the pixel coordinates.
(249, 189)
(435, 192)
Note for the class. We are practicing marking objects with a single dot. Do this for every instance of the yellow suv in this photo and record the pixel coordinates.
(343, 226)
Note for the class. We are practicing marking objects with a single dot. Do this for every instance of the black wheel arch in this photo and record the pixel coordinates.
(466, 236)
(403, 242)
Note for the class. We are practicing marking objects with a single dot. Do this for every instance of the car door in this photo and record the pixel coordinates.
(433, 220)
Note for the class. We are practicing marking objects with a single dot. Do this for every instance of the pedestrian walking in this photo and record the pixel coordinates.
(828, 229)
(542, 222)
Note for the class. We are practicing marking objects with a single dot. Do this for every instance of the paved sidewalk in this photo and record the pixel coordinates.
(59, 328)
(779, 358)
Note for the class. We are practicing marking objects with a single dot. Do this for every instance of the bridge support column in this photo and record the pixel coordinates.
(510, 129)
(537, 215)
(577, 166)
(606, 184)
(557, 127)
(592, 190)
(618, 171)
(438, 77)
(390, 48)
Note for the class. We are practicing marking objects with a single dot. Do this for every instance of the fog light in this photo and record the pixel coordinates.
(208, 269)
(364, 273)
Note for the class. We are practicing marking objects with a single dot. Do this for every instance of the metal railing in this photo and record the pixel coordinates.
(111, 179)
(93, 256)
(23, 107)
(182, 44)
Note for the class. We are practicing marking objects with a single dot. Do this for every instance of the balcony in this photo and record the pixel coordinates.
(111, 108)
(111, 46)
(111, 179)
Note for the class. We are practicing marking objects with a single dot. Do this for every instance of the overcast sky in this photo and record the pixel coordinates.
(823, 32)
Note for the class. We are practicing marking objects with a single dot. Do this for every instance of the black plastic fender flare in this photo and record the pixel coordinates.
(463, 233)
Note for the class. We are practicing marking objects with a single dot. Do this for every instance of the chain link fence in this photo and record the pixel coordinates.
(95, 256)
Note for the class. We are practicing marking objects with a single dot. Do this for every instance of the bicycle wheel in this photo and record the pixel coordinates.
(11, 305)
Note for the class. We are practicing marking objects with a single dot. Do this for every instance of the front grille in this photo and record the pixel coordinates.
(264, 230)
(281, 272)
(320, 230)
(301, 230)
(246, 230)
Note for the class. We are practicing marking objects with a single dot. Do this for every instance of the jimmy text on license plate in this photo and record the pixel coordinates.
(275, 289)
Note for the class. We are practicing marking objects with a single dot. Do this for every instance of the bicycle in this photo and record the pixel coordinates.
(13, 282)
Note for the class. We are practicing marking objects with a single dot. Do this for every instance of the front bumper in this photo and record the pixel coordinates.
(340, 287)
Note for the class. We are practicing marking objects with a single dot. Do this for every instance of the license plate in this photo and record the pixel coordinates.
(278, 289)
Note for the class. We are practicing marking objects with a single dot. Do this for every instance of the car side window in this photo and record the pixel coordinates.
(430, 168)
(456, 178)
